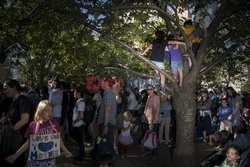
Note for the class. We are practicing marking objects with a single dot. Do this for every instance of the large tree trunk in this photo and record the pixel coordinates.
(185, 107)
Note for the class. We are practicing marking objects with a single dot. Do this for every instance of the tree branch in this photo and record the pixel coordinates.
(26, 19)
(226, 9)
(135, 53)
(132, 71)
(208, 68)
(219, 59)
(163, 14)
(219, 41)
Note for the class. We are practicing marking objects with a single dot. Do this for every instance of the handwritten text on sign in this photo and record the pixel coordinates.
(44, 146)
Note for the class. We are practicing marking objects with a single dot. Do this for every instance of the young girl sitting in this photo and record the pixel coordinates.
(124, 138)
(42, 136)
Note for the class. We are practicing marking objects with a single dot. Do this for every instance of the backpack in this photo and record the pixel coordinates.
(102, 146)
(89, 112)
(149, 140)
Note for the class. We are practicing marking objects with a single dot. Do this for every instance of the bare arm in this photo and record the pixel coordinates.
(19, 152)
(153, 115)
(24, 120)
(147, 49)
(64, 148)
(2, 120)
(23, 148)
(80, 117)
(156, 103)
(176, 43)
(135, 128)
(106, 115)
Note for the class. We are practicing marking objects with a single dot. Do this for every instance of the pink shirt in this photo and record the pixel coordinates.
(153, 104)
(44, 128)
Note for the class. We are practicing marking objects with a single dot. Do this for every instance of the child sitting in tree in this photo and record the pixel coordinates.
(43, 127)
(189, 28)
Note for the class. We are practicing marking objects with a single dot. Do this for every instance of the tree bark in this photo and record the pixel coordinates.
(185, 107)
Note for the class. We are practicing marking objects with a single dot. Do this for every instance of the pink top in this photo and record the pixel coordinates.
(153, 104)
(44, 128)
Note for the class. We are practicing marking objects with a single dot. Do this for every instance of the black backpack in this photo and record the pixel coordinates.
(102, 146)
(89, 112)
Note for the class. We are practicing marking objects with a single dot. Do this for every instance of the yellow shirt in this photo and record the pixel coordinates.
(188, 31)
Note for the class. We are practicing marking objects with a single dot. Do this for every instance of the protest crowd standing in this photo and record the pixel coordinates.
(222, 120)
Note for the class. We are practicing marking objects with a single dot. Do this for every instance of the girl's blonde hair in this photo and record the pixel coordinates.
(39, 111)
(127, 114)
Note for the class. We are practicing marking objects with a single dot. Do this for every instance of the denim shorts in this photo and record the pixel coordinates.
(159, 64)
(176, 65)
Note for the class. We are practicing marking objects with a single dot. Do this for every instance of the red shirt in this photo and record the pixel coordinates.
(44, 128)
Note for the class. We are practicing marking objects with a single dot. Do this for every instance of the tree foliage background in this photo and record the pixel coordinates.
(56, 41)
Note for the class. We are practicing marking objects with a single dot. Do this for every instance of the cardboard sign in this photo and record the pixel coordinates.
(44, 146)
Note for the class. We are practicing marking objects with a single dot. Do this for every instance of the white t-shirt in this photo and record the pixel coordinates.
(207, 13)
(79, 107)
(132, 102)
(126, 132)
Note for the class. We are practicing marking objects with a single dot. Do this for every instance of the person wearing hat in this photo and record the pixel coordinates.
(204, 119)
(55, 97)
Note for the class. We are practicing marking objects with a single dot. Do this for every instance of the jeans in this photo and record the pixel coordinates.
(165, 124)
(159, 64)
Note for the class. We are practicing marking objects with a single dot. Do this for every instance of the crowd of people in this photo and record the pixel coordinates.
(222, 120)
(122, 116)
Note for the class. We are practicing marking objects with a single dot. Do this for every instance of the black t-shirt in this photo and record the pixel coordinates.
(158, 50)
(5, 105)
(20, 106)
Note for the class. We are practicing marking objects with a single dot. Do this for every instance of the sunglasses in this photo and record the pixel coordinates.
(150, 89)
